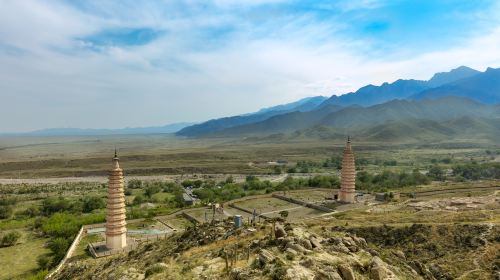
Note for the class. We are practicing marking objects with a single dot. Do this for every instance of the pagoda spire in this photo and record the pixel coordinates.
(348, 175)
(116, 231)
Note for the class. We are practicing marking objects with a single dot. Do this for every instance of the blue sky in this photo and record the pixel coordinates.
(110, 64)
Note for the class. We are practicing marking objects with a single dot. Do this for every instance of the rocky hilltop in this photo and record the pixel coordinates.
(314, 250)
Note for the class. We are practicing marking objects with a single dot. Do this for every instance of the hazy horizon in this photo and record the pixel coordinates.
(117, 64)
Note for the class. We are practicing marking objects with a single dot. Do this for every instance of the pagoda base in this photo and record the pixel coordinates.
(116, 242)
(347, 197)
(100, 249)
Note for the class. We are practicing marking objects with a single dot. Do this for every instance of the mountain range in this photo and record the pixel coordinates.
(169, 128)
(439, 106)
(460, 103)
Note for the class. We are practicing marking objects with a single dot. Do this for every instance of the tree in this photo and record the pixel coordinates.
(436, 173)
(229, 180)
(283, 214)
(138, 199)
(55, 204)
(277, 169)
(151, 190)
(10, 239)
(90, 203)
(5, 211)
(134, 184)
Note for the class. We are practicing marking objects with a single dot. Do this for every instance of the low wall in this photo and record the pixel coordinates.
(247, 211)
(190, 218)
(303, 203)
(70, 252)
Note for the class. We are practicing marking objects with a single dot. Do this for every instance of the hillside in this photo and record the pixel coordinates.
(320, 250)
(281, 123)
(410, 117)
(215, 125)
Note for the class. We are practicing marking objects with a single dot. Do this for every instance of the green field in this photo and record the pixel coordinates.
(32, 157)
(20, 260)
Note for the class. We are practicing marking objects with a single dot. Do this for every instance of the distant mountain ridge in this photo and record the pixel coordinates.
(460, 95)
(483, 87)
(456, 74)
(400, 89)
(211, 126)
(462, 81)
(170, 128)
(441, 109)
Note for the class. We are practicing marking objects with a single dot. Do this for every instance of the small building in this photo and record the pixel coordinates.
(188, 200)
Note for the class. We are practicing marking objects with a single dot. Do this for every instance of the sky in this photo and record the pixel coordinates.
(113, 64)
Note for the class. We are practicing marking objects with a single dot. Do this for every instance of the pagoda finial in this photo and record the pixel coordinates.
(348, 138)
(116, 153)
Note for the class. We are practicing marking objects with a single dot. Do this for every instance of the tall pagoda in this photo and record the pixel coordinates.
(348, 176)
(116, 232)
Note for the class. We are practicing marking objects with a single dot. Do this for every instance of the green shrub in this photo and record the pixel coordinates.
(44, 261)
(10, 239)
(5, 211)
(40, 275)
(154, 269)
(59, 246)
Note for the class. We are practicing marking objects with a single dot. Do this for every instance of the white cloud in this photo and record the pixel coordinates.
(64, 80)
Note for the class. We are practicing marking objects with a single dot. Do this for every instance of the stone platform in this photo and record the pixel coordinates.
(99, 249)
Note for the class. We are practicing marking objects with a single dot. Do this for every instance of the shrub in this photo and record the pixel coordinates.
(8, 201)
(59, 246)
(31, 211)
(154, 269)
(5, 211)
(44, 261)
(40, 275)
(10, 239)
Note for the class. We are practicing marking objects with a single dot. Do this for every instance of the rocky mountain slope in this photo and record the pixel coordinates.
(442, 117)
(313, 251)
(215, 125)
